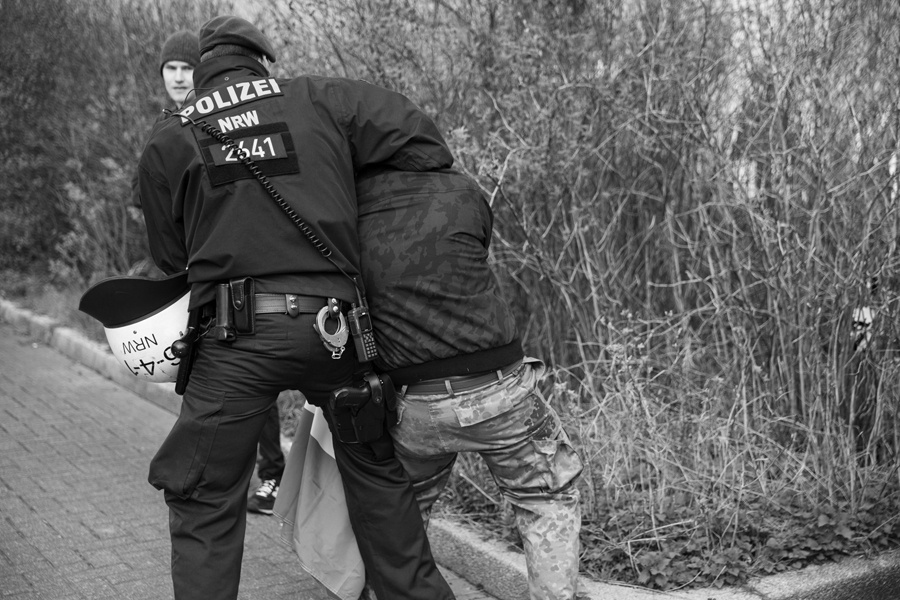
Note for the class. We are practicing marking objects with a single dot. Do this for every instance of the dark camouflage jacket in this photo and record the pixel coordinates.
(435, 303)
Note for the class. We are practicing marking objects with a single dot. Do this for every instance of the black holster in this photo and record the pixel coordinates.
(185, 349)
(363, 412)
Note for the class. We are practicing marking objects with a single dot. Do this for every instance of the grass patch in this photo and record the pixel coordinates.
(679, 490)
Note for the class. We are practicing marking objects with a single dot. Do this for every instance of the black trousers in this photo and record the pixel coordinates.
(205, 464)
(271, 458)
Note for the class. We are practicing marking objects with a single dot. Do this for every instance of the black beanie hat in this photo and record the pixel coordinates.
(237, 31)
(182, 45)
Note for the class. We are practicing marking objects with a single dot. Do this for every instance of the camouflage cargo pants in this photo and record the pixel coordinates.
(520, 437)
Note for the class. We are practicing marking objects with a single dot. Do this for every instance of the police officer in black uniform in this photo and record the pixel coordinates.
(273, 298)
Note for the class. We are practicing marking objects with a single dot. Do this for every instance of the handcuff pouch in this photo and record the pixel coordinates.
(243, 305)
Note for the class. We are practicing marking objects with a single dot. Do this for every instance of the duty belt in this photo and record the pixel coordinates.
(323, 308)
(289, 304)
(236, 306)
(462, 383)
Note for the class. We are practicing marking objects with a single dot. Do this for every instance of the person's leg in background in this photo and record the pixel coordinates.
(270, 466)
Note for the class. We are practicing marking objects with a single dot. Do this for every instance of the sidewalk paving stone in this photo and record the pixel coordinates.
(78, 519)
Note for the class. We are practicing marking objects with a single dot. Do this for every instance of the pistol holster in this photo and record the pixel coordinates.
(363, 412)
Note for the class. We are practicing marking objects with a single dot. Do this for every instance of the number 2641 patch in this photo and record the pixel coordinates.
(263, 147)
(269, 146)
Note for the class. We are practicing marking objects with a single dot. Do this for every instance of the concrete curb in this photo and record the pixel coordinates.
(484, 563)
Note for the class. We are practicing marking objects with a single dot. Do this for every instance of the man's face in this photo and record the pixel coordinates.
(179, 78)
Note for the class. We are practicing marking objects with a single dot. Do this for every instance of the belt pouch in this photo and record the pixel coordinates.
(224, 323)
(243, 304)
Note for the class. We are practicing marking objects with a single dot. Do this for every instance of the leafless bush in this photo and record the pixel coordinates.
(692, 200)
(81, 92)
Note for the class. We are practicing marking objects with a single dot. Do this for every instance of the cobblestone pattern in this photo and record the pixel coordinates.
(78, 519)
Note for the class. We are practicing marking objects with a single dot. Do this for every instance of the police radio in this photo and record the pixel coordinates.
(362, 331)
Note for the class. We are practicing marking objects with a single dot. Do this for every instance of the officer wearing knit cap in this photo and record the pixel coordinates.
(177, 59)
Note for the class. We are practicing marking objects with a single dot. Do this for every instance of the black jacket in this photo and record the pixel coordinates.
(206, 212)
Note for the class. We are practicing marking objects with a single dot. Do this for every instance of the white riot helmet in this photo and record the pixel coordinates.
(142, 317)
